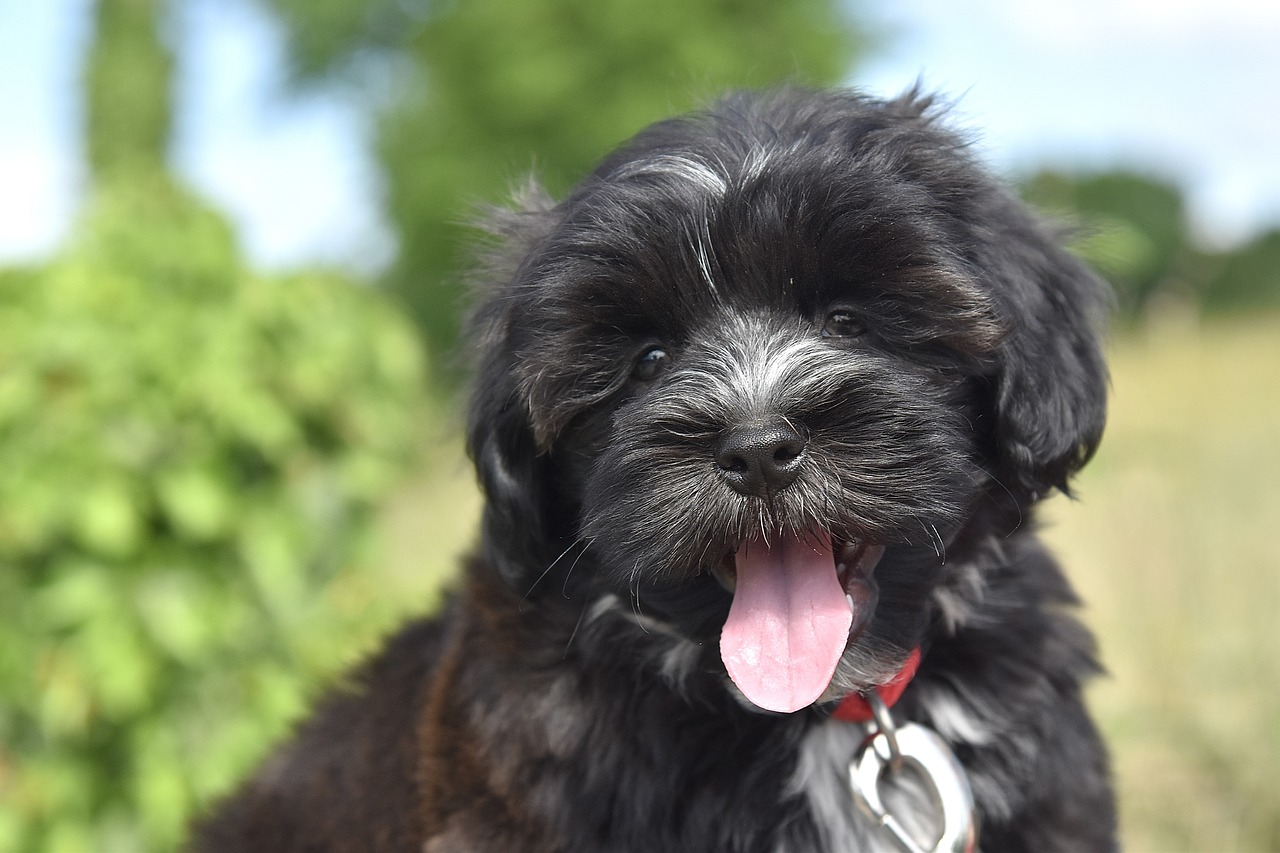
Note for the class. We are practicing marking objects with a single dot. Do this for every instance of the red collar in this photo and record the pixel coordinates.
(854, 708)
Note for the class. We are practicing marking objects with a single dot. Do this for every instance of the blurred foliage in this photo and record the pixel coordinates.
(189, 454)
(1133, 229)
(333, 38)
(127, 86)
(493, 89)
(1245, 278)
(191, 457)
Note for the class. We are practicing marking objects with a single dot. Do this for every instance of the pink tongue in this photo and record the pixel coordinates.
(789, 622)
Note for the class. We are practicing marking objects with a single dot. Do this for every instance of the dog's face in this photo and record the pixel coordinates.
(766, 370)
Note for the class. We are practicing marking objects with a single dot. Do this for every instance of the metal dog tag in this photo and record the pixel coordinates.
(892, 748)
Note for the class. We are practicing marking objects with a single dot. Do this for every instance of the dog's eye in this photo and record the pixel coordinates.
(650, 363)
(841, 323)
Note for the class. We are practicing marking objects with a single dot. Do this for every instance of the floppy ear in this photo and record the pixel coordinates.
(513, 474)
(1050, 386)
(1051, 389)
(514, 478)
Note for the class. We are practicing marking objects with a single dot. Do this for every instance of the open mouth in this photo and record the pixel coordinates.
(798, 601)
(854, 561)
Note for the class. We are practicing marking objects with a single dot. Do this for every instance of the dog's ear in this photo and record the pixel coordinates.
(1050, 392)
(1051, 387)
(500, 438)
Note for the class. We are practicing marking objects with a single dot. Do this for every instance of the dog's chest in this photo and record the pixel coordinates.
(673, 796)
(765, 790)
(822, 779)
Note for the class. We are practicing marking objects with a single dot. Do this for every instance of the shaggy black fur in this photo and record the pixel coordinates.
(824, 264)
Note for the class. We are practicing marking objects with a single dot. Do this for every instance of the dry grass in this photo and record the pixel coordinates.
(1174, 546)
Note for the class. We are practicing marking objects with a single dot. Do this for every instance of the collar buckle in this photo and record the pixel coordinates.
(891, 750)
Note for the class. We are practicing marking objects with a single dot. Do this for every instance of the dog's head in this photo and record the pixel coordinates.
(764, 367)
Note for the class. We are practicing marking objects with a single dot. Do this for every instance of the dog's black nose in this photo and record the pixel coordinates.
(760, 458)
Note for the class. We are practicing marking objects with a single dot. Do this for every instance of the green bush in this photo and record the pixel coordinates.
(189, 456)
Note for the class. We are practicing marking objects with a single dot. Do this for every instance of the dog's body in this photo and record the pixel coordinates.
(763, 406)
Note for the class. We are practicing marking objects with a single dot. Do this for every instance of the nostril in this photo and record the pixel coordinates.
(733, 462)
(788, 451)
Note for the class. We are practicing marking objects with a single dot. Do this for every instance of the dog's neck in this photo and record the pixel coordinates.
(855, 708)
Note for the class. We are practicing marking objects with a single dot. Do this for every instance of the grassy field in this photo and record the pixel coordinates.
(1173, 543)
(1174, 547)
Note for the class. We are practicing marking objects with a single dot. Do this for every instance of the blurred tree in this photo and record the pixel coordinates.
(493, 89)
(1132, 228)
(1247, 278)
(128, 78)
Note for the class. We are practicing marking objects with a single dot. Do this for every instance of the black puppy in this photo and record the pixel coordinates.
(762, 413)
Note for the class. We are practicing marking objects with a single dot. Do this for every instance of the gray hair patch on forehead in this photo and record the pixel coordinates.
(699, 174)
(690, 169)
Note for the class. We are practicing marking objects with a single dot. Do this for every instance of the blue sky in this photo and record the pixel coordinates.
(1187, 89)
